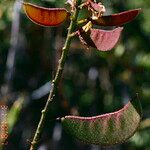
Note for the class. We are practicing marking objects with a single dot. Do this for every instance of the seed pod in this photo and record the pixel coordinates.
(117, 19)
(108, 129)
(45, 16)
(102, 40)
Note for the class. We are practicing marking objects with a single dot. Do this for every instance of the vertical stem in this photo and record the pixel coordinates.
(57, 78)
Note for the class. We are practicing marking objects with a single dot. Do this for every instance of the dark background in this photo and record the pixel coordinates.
(93, 82)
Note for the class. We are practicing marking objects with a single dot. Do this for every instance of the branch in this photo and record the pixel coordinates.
(57, 78)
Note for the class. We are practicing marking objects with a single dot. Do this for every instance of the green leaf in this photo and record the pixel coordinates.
(14, 112)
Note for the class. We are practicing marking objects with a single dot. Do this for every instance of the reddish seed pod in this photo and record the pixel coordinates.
(117, 19)
(108, 129)
(100, 39)
(45, 16)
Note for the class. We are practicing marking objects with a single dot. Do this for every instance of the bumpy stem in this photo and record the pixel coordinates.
(55, 82)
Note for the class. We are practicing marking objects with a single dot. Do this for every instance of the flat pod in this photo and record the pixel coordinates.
(45, 16)
(117, 19)
(102, 40)
(108, 129)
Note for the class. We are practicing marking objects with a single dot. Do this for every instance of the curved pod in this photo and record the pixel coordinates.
(117, 19)
(107, 129)
(45, 16)
(102, 40)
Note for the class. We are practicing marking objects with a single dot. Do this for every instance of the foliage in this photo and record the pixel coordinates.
(93, 82)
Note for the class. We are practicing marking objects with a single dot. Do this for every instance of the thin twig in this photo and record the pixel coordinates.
(57, 78)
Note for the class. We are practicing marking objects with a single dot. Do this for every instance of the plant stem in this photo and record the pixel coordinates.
(55, 82)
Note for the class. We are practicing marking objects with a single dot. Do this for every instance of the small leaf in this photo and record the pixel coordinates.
(45, 16)
(101, 39)
(117, 19)
(14, 112)
(107, 129)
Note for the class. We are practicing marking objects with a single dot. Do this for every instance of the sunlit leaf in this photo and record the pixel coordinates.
(117, 19)
(45, 16)
(107, 129)
(100, 39)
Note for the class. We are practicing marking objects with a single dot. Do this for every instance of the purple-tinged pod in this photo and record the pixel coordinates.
(45, 16)
(108, 129)
(102, 40)
(117, 19)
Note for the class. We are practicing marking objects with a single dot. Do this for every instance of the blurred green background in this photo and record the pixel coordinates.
(93, 82)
